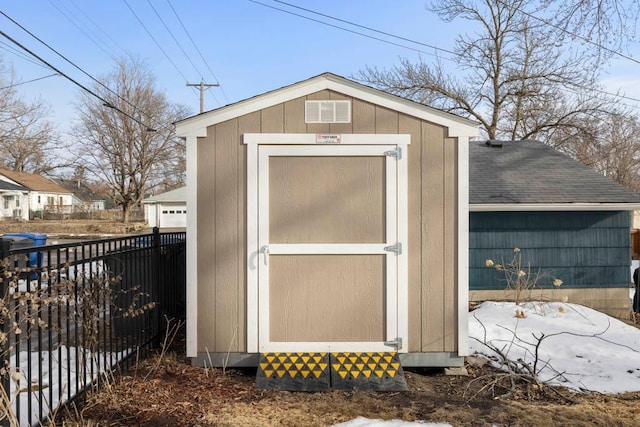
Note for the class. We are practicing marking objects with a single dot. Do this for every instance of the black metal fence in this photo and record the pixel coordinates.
(72, 313)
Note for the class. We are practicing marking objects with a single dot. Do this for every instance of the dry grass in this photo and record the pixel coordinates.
(176, 393)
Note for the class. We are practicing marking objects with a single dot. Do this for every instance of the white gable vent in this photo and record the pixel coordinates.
(327, 112)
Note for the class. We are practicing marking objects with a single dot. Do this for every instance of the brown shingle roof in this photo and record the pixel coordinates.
(34, 182)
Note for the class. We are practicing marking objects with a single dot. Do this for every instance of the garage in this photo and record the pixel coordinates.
(166, 210)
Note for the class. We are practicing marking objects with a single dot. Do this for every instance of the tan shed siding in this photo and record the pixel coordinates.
(432, 238)
(450, 247)
(294, 116)
(413, 127)
(272, 120)
(363, 116)
(227, 234)
(386, 120)
(206, 243)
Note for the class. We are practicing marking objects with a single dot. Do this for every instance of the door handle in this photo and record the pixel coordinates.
(265, 253)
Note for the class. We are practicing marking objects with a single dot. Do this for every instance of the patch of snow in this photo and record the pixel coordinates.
(76, 367)
(580, 348)
(366, 422)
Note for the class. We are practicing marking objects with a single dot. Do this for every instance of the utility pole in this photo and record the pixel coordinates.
(203, 86)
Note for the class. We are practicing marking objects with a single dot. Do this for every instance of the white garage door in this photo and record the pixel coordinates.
(173, 216)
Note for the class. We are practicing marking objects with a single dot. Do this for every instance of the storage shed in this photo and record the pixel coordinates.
(327, 216)
(568, 221)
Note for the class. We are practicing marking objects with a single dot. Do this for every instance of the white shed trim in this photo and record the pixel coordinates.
(257, 296)
(192, 248)
(463, 246)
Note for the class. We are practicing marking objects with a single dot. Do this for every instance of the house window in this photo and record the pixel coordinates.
(6, 199)
(39, 201)
(61, 201)
(50, 200)
(17, 202)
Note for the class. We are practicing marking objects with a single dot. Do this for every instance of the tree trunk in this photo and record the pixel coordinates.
(126, 212)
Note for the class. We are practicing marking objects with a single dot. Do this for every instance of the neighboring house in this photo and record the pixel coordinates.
(567, 220)
(327, 216)
(84, 199)
(14, 201)
(43, 192)
(167, 209)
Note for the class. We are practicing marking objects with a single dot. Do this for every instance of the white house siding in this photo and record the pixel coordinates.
(14, 205)
(40, 201)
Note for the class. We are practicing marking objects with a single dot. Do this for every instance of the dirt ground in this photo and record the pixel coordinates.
(168, 391)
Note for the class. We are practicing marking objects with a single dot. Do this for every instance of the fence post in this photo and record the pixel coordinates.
(157, 262)
(5, 354)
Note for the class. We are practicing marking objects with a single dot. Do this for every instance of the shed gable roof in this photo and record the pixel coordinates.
(529, 173)
(196, 125)
(34, 182)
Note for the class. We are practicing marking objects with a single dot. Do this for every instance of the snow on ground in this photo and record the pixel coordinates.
(66, 363)
(366, 422)
(583, 349)
(580, 348)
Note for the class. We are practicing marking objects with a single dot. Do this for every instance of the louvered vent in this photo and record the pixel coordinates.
(327, 112)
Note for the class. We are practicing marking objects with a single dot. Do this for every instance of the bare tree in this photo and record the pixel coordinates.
(608, 143)
(518, 77)
(129, 142)
(27, 138)
(607, 24)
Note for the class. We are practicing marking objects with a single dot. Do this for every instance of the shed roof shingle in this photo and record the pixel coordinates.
(530, 172)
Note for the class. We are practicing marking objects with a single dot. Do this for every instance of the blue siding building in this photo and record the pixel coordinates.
(566, 219)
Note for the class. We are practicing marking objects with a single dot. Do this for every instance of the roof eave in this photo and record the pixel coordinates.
(522, 207)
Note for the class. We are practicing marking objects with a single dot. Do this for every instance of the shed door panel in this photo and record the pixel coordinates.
(327, 226)
(327, 298)
(326, 199)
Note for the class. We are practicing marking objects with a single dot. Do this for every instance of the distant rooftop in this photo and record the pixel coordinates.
(177, 195)
(34, 182)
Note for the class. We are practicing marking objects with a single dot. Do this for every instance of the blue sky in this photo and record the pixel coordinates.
(249, 47)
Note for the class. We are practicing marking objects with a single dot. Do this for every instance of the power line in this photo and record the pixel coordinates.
(348, 30)
(180, 47)
(69, 18)
(368, 28)
(75, 82)
(28, 81)
(19, 54)
(155, 41)
(197, 49)
(78, 67)
(174, 38)
(97, 26)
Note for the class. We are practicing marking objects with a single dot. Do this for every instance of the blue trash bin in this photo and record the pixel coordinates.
(37, 239)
